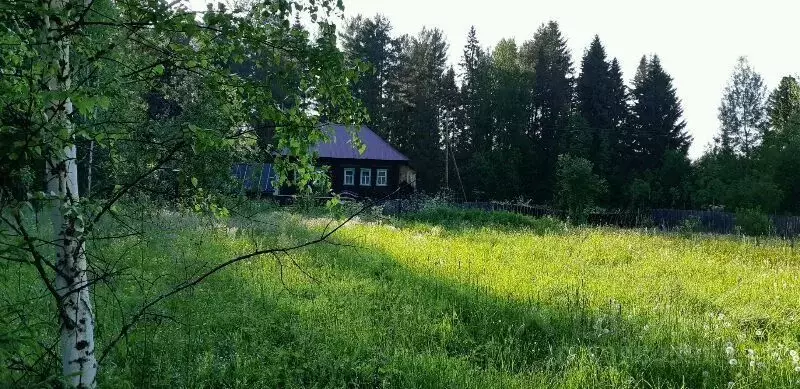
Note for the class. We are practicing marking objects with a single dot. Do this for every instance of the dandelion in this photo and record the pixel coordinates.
(729, 351)
(730, 384)
(797, 369)
(733, 362)
(759, 333)
(752, 364)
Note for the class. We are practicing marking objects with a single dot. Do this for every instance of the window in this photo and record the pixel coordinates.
(349, 176)
(366, 177)
(381, 177)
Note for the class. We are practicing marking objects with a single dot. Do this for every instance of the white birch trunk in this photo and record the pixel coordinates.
(79, 364)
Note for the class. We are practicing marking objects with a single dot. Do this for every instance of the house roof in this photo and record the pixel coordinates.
(340, 145)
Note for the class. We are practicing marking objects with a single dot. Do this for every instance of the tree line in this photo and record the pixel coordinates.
(526, 122)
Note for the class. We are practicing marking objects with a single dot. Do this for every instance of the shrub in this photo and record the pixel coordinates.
(753, 222)
(577, 187)
(690, 225)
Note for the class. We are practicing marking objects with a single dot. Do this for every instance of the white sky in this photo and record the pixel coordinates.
(698, 41)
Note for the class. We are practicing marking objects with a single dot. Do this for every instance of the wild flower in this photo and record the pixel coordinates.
(733, 362)
(729, 351)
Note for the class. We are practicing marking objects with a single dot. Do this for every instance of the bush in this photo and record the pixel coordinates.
(577, 187)
(753, 222)
(690, 225)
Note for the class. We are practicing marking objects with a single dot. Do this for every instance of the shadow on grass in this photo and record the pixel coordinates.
(554, 343)
(372, 322)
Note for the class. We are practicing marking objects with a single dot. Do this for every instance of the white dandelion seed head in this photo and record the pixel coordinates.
(730, 384)
(751, 353)
(752, 364)
(797, 369)
(729, 350)
(733, 362)
(759, 332)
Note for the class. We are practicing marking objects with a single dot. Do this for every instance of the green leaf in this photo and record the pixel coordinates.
(194, 182)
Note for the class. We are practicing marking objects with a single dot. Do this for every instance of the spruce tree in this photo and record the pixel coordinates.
(656, 116)
(784, 103)
(370, 41)
(621, 150)
(423, 67)
(548, 57)
(476, 95)
(595, 104)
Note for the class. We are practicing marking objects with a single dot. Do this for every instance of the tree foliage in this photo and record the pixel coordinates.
(742, 112)
(577, 187)
(166, 99)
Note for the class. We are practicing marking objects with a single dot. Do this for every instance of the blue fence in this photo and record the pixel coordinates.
(718, 222)
(255, 177)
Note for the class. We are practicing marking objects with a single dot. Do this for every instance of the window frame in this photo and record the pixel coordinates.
(378, 177)
(368, 176)
(352, 176)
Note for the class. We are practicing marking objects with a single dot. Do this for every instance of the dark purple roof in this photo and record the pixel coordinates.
(340, 145)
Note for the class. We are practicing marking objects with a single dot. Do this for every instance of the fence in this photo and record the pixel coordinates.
(718, 222)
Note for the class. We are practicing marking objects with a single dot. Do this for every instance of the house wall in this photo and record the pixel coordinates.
(336, 172)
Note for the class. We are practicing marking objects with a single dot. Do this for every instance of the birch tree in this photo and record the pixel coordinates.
(79, 364)
(87, 69)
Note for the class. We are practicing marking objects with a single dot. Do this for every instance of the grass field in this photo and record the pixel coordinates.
(442, 299)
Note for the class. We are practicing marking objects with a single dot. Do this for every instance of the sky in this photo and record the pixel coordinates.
(698, 41)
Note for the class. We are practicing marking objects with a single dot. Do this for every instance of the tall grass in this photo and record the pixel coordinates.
(441, 301)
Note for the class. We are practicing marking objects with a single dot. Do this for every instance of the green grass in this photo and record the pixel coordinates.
(467, 302)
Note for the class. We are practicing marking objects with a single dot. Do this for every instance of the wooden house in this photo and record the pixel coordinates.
(377, 172)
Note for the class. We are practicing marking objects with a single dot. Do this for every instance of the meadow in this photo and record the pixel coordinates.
(436, 299)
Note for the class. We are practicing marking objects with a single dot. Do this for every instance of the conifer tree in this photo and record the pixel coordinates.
(596, 105)
(370, 41)
(418, 129)
(549, 59)
(784, 103)
(476, 95)
(656, 117)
